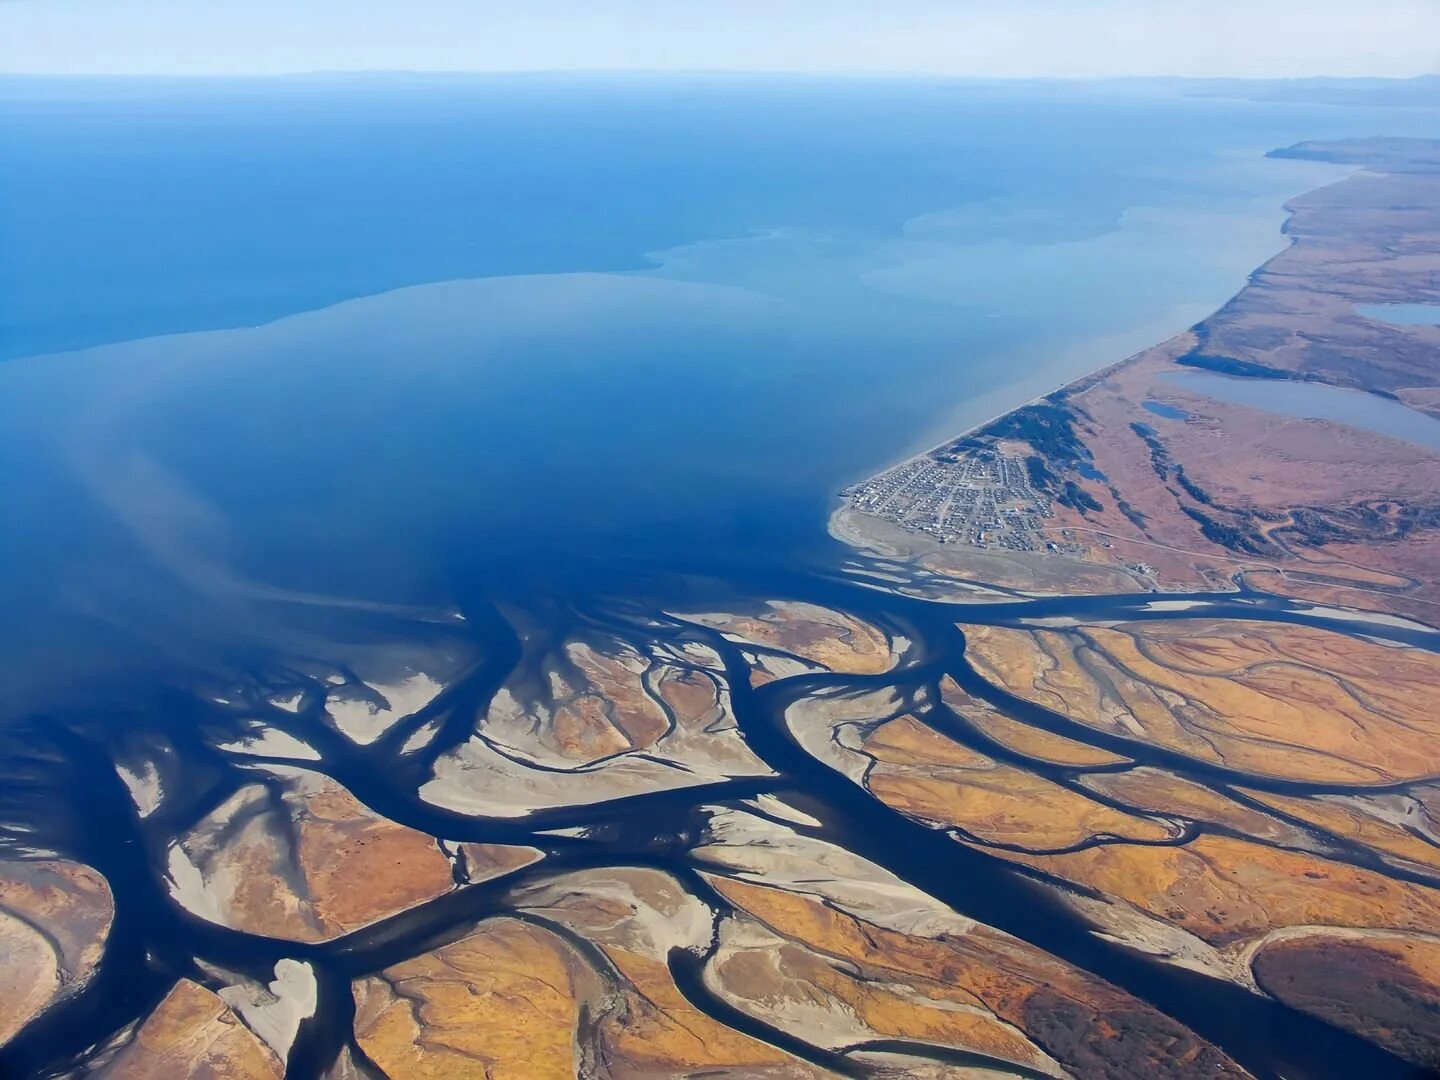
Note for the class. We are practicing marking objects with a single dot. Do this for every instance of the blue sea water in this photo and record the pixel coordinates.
(1402, 314)
(1317, 401)
(342, 336)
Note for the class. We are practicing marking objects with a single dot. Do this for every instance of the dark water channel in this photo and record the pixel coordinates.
(51, 758)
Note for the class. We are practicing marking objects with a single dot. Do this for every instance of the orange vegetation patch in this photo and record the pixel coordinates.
(661, 1034)
(1386, 989)
(616, 679)
(1165, 793)
(500, 1004)
(1283, 701)
(192, 1033)
(1225, 890)
(361, 867)
(819, 635)
(925, 775)
(694, 697)
(54, 919)
(316, 863)
(1349, 820)
(1021, 737)
(584, 702)
(1087, 1025)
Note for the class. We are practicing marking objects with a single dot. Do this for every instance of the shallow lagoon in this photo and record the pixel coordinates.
(1402, 314)
(1317, 401)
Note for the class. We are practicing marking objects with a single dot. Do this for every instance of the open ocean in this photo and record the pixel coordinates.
(366, 336)
(301, 375)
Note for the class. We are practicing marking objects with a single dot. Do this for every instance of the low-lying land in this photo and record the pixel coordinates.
(1139, 470)
(851, 830)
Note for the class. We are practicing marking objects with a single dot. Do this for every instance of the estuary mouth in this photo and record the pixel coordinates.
(700, 808)
(540, 577)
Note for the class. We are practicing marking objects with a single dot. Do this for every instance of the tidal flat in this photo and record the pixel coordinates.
(460, 680)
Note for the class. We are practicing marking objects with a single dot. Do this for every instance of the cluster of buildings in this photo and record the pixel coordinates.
(979, 497)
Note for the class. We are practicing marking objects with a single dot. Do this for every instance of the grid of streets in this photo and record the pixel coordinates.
(982, 498)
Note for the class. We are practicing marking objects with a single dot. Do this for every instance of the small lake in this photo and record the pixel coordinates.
(1402, 314)
(1159, 408)
(1317, 401)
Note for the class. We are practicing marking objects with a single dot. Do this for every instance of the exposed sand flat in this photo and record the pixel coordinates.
(421, 739)
(1116, 920)
(144, 786)
(477, 780)
(366, 712)
(55, 916)
(311, 864)
(193, 1033)
(274, 1011)
(271, 742)
(776, 807)
(1374, 617)
(832, 725)
(762, 850)
(643, 911)
(830, 639)
(608, 724)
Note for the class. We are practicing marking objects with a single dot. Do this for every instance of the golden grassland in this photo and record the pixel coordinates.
(925, 775)
(1223, 889)
(1019, 736)
(1289, 702)
(1083, 1023)
(501, 1003)
(55, 916)
(192, 1033)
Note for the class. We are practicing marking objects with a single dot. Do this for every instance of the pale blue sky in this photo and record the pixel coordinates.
(959, 37)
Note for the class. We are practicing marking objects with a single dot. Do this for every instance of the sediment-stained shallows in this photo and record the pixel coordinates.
(1000, 813)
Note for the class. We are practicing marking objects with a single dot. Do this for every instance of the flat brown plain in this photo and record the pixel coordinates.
(192, 1033)
(1284, 701)
(927, 776)
(1080, 1022)
(54, 918)
(503, 1002)
(1316, 508)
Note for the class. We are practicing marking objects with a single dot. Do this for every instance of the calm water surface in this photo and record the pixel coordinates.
(339, 336)
(300, 368)
(1317, 401)
(1402, 314)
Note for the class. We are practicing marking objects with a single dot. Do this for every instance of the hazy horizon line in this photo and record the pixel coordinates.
(743, 73)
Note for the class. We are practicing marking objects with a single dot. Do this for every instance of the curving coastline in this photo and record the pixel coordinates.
(1159, 470)
(894, 817)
